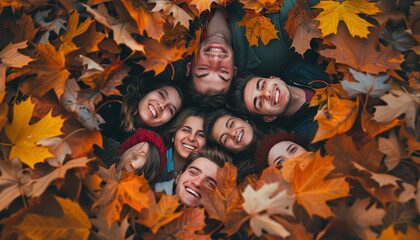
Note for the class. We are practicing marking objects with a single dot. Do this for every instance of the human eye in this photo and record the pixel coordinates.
(193, 172)
(231, 123)
(260, 103)
(293, 149)
(280, 162)
(211, 184)
(200, 134)
(223, 71)
(263, 86)
(172, 110)
(203, 68)
(162, 95)
(187, 130)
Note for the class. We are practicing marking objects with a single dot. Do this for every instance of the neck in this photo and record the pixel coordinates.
(218, 26)
(178, 161)
(297, 99)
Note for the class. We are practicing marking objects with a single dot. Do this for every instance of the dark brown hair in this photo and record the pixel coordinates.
(214, 154)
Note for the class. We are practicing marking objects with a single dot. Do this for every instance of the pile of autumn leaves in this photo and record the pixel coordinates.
(363, 183)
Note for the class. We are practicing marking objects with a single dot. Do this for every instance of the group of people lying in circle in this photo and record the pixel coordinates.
(235, 108)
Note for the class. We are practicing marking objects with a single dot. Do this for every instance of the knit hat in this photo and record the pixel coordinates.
(145, 135)
(265, 145)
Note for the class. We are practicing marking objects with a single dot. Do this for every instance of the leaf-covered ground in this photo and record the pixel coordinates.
(60, 60)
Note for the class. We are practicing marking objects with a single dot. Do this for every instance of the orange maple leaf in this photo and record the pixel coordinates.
(335, 117)
(74, 29)
(322, 95)
(203, 5)
(151, 22)
(312, 190)
(362, 54)
(259, 5)
(159, 55)
(258, 27)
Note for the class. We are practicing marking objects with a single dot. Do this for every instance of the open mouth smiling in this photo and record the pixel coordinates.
(152, 111)
(189, 147)
(192, 192)
(240, 136)
(276, 96)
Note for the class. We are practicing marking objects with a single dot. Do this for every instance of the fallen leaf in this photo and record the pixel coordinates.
(335, 117)
(74, 223)
(13, 179)
(58, 147)
(399, 102)
(41, 184)
(168, 7)
(360, 216)
(116, 231)
(157, 215)
(10, 57)
(122, 30)
(203, 5)
(362, 54)
(73, 29)
(159, 55)
(24, 136)
(261, 200)
(373, 127)
(374, 86)
(345, 11)
(391, 148)
(258, 6)
(151, 22)
(50, 70)
(258, 27)
(322, 95)
(313, 190)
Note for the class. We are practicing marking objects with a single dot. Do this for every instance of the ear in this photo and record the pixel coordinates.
(269, 118)
(187, 74)
(173, 139)
(235, 70)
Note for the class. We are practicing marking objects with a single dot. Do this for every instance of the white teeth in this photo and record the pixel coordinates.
(196, 194)
(240, 136)
(189, 146)
(152, 110)
(277, 96)
(216, 49)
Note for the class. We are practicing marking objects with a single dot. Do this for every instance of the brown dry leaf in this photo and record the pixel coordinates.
(256, 202)
(116, 195)
(158, 55)
(418, 196)
(24, 137)
(312, 190)
(169, 7)
(399, 102)
(322, 95)
(10, 57)
(373, 127)
(345, 152)
(73, 29)
(391, 234)
(117, 231)
(40, 184)
(107, 81)
(122, 30)
(157, 215)
(259, 5)
(110, 173)
(50, 69)
(25, 4)
(13, 179)
(293, 16)
(412, 145)
(225, 202)
(89, 40)
(335, 117)
(185, 226)
(258, 27)
(391, 148)
(151, 22)
(362, 54)
(74, 223)
(58, 147)
(360, 216)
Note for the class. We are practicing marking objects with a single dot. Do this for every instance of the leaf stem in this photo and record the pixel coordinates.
(7, 144)
(25, 205)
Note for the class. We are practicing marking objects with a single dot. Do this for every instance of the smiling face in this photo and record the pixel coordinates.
(213, 69)
(190, 137)
(135, 157)
(188, 187)
(232, 133)
(283, 151)
(159, 106)
(266, 96)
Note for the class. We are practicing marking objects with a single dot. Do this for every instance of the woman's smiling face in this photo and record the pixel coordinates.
(233, 133)
(159, 106)
(190, 137)
(284, 151)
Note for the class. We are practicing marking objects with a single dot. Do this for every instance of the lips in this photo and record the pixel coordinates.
(193, 192)
(215, 49)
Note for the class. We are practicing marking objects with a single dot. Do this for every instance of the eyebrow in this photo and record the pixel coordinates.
(258, 84)
(224, 79)
(289, 147)
(228, 122)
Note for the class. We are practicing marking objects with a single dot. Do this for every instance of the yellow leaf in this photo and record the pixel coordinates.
(345, 11)
(335, 117)
(258, 27)
(74, 224)
(312, 190)
(24, 136)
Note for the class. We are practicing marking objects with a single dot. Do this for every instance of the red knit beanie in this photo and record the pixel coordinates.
(265, 145)
(145, 135)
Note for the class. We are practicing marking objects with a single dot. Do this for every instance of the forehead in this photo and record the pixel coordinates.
(210, 85)
(249, 89)
(193, 120)
(221, 122)
(280, 147)
(206, 166)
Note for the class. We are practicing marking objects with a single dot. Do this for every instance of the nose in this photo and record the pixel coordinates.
(160, 106)
(231, 133)
(214, 59)
(266, 93)
(196, 181)
(191, 137)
